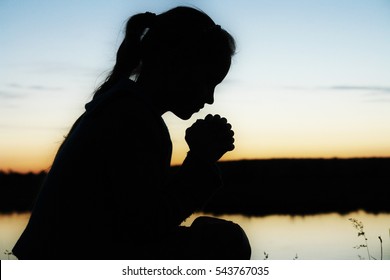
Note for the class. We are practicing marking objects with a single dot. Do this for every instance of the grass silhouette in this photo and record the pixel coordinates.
(360, 228)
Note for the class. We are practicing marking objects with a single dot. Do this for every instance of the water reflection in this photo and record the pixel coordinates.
(11, 227)
(282, 237)
(314, 237)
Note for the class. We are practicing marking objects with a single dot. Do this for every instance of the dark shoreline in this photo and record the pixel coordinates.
(263, 187)
(304, 186)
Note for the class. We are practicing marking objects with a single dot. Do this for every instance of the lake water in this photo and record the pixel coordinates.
(281, 237)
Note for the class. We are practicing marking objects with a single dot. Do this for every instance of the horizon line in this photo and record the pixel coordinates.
(14, 171)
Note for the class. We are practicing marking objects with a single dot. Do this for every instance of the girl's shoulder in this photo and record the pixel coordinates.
(124, 98)
(125, 104)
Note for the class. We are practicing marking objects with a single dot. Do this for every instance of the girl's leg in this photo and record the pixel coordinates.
(220, 239)
(207, 238)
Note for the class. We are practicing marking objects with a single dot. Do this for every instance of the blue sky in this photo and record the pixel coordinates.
(310, 78)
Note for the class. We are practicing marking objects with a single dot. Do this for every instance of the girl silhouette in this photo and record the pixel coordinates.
(109, 194)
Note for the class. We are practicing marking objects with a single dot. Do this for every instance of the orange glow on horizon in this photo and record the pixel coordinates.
(37, 158)
(42, 163)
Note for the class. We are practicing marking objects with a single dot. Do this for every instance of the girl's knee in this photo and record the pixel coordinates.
(208, 221)
(226, 238)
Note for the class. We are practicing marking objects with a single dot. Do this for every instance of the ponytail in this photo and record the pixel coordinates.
(128, 55)
(157, 41)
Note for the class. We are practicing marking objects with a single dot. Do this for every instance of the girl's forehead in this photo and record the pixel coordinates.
(205, 73)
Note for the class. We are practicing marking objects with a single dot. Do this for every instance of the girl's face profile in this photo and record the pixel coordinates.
(192, 85)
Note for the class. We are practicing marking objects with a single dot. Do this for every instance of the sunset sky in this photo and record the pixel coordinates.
(310, 78)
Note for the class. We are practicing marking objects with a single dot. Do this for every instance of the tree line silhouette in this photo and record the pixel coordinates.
(263, 187)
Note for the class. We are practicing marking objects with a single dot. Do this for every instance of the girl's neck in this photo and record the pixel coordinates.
(150, 92)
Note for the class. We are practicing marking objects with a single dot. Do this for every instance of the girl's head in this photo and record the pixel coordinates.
(181, 55)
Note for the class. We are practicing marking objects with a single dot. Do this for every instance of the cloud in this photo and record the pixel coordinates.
(9, 100)
(371, 89)
(373, 94)
(8, 95)
(363, 88)
(13, 91)
(32, 87)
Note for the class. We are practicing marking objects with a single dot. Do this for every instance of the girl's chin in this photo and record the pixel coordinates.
(184, 115)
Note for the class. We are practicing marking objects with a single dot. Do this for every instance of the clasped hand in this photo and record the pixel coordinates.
(210, 138)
